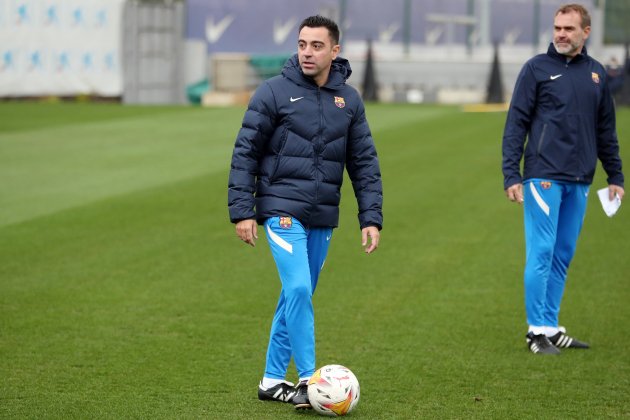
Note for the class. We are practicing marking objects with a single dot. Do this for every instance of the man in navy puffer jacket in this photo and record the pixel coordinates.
(300, 131)
(563, 106)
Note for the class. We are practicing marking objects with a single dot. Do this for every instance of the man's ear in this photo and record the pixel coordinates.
(335, 50)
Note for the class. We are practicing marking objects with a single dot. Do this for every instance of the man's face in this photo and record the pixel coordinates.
(316, 53)
(568, 35)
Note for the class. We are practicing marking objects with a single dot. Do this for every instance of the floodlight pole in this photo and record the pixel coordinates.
(536, 26)
(406, 32)
(343, 5)
(469, 32)
(596, 39)
(484, 22)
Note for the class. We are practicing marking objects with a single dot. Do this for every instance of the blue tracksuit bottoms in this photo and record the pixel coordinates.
(299, 254)
(554, 213)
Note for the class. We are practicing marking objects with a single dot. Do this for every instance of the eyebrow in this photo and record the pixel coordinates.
(316, 41)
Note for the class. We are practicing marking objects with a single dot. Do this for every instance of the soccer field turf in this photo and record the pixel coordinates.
(124, 292)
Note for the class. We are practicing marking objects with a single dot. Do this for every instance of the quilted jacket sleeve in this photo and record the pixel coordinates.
(607, 143)
(257, 127)
(517, 125)
(364, 171)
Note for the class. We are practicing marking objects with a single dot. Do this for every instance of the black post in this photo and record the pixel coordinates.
(370, 87)
(495, 85)
(624, 94)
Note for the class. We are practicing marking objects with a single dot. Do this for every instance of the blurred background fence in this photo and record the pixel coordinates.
(218, 51)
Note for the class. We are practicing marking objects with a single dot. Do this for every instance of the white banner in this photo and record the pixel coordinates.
(60, 47)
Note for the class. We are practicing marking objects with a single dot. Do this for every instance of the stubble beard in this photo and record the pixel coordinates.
(570, 48)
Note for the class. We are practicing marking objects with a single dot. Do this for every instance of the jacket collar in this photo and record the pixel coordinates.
(340, 71)
(552, 52)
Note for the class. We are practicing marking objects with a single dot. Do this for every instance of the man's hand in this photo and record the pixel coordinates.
(515, 193)
(615, 189)
(247, 230)
(374, 234)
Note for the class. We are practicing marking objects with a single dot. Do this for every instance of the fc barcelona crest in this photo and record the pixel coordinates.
(595, 77)
(545, 185)
(339, 102)
(286, 222)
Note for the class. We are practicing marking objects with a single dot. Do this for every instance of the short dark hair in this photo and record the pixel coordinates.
(318, 21)
(566, 8)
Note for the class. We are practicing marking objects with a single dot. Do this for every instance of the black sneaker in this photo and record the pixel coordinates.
(283, 392)
(300, 399)
(540, 344)
(561, 340)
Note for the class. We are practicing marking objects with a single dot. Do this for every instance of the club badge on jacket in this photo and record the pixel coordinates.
(595, 77)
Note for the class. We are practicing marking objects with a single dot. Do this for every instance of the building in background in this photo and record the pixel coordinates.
(169, 51)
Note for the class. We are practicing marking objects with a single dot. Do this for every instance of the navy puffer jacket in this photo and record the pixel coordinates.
(290, 153)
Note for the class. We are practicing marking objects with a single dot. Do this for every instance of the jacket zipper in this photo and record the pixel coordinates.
(316, 146)
(576, 95)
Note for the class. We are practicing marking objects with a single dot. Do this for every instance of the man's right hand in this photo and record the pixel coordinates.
(515, 193)
(247, 231)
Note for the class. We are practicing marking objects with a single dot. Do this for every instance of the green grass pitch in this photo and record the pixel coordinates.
(124, 292)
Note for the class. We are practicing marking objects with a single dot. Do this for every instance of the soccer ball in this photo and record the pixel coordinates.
(333, 390)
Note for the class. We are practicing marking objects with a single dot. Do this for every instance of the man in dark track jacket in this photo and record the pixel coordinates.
(562, 104)
(300, 131)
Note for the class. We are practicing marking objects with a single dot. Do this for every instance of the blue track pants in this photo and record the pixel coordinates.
(299, 254)
(554, 213)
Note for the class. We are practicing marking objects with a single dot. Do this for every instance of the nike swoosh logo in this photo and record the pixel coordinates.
(282, 30)
(214, 31)
(292, 99)
(555, 77)
(328, 237)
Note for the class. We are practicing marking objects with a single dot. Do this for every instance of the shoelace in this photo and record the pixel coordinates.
(301, 389)
(288, 392)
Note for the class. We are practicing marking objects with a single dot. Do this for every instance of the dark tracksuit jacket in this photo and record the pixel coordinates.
(566, 112)
(294, 143)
